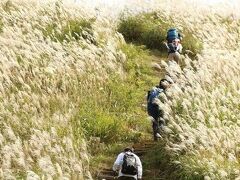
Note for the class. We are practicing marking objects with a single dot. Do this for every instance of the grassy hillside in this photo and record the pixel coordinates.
(67, 79)
(202, 133)
(48, 61)
(71, 87)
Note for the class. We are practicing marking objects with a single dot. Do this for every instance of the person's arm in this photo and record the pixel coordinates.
(180, 48)
(166, 44)
(148, 95)
(139, 167)
(118, 163)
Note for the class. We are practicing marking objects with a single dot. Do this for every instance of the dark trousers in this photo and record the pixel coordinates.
(156, 129)
(126, 178)
(156, 113)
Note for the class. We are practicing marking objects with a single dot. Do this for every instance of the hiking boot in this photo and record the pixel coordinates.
(158, 135)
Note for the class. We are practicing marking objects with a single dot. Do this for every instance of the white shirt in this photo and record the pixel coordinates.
(175, 45)
(118, 165)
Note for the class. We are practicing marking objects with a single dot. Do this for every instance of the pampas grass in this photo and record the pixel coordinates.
(43, 77)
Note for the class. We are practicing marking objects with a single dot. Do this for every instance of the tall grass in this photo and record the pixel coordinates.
(1, 26)
(73, 29)
(111, 109)
(64, 83)
(111, 113)
(202, 113)
(150, 29)
(43, 78)
(68, 78)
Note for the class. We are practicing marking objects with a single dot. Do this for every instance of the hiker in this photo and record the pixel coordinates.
(174, 45)
(153, 108)
(128, 165)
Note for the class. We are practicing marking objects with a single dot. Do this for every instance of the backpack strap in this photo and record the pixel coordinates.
(153, 94)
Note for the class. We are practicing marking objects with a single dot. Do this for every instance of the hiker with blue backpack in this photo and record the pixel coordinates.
(174, 45)
(128, 165)
(153, 107)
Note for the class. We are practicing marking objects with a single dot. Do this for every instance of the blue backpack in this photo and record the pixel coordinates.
(154, 93)
(152, 108)
(172, 34)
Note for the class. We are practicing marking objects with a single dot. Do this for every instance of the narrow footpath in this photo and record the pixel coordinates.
(144, 148)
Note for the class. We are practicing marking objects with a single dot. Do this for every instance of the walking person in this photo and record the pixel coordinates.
(128, 165)
(174, 45)
(153, 107)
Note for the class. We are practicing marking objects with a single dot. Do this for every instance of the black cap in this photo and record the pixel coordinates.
(128, 149)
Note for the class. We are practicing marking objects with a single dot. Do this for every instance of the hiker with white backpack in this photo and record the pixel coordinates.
(128, 165)
(174, 45)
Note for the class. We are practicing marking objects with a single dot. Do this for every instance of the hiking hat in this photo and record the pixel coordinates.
(162, 86)
(164, 79)
(128, 149)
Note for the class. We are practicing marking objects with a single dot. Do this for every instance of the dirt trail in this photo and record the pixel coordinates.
(145, 147)
(140, 149)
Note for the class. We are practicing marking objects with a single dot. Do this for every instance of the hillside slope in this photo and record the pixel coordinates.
(203, 108)
(68, 76)
(43, 75)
